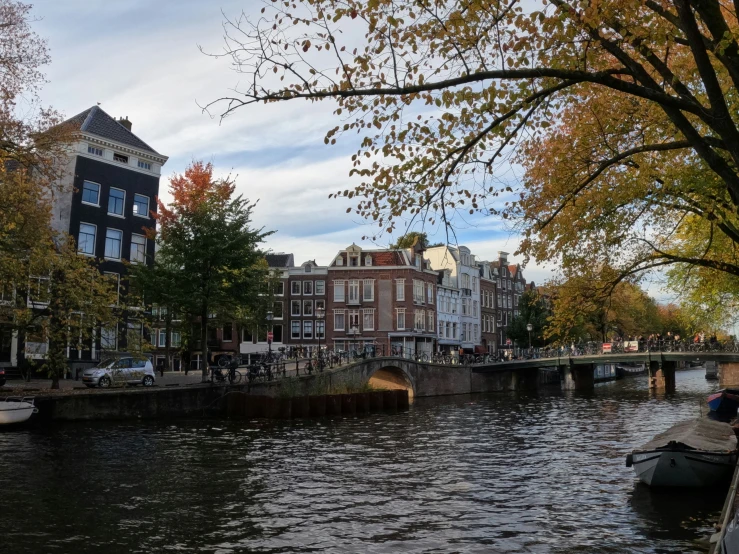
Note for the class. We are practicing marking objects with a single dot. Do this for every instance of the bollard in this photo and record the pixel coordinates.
(301, 407)
(317, 405)
(376, 400)
(389, 400)
(348, 404)
(363, 403)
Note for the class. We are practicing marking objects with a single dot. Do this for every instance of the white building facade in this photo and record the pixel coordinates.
(463, 268)
(448, 308)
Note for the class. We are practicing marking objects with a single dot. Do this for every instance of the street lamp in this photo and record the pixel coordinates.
(320, 313)
(270, 316)
(529, 328)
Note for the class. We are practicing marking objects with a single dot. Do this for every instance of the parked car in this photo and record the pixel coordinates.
(2, 376)
(130, 370)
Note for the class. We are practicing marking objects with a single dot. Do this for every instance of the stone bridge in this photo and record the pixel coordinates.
(576, 373)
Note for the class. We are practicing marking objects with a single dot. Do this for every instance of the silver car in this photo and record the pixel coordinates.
(129, 370)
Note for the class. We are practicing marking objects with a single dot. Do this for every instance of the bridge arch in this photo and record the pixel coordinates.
(390, 377)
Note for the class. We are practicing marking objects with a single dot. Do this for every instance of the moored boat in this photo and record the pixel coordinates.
(693, 453)
(16, 410)
(724, 402)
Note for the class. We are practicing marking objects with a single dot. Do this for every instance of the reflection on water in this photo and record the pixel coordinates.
(496, 473)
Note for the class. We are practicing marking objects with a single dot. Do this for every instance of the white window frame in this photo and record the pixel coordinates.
(400, 289)
(148, 205)
(144, 165)
(308, 304)
(306, 285)
(162, 334)
(293, 303)
(122, 215)
(319, 285)
(398, 313)
(371, 313)
(308, 324)
(353, 292)
(104, 342)
(143, 249)
(339, 288)
(82, 196)
(94, 239)
(295, 323)
(430, 321)
(370, 289)
(120, 249)
(430, 293)
(296, 288)
(342, 313)
(95, 150)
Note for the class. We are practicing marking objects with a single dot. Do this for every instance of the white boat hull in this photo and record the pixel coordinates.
(683, 468)
(15, 412)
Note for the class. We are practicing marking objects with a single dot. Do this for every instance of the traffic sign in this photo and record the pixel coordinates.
(270, 336)
(508, 342)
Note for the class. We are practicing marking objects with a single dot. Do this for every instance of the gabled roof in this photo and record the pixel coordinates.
(96, 122)
(513, 268)
(279, 260)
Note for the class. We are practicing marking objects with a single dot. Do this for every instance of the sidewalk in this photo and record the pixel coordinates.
(170, 378)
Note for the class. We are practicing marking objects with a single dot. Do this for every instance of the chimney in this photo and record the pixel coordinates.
(125, 122)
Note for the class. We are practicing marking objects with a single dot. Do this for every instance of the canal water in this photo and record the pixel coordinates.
(495, 473)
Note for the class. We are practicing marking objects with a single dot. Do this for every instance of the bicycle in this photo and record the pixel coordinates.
(232, 376)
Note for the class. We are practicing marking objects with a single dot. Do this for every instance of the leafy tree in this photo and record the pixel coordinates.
(206, 234)
(441, 92)
(71, 300)
(410, 239)
(533, 309)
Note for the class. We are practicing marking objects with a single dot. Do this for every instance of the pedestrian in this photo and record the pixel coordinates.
(160, 367)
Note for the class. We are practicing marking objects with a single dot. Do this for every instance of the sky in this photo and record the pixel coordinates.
(141, 59)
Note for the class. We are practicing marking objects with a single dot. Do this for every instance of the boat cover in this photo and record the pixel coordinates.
(699, 434)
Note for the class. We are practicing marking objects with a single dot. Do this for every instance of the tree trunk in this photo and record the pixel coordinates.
(204, 343)
(168, 332)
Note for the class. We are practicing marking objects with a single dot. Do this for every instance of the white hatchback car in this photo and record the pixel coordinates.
(129, 370)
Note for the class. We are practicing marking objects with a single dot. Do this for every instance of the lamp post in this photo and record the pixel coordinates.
(320, 313)
(270, 316)
(529, 328)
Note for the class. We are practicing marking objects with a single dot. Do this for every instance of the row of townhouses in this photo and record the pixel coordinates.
(410, 300)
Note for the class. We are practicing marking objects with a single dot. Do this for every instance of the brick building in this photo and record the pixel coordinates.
(488, 321)
(381, 298)
(306, 293)
(510, 285)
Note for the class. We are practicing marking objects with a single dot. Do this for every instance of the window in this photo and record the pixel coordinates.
(320, 287)
(277, 310)
(419, 321)
(228, 332)
(499, 316)
(368, 319)
(94, 150)
(429, 293)
(86, 239)
(339, 260)
(308, 287)
(307, 329)
(474, 308)
(353, 292)
(120, 158)
(476, 338)
(295, 288)
(354, 320)
(321, 304)
(418, 291)
(280, 289)
(113, 239)
(308, 268)
(162, 338)
(368, 290)
(91, 193)
(295, 307)
(307, 307)
(144, 165)
(354, 260)
(176, 339)
(474, 284)
(108, 338)
(140, 205)
(499, 305)
(320, 329)
(430, 325)
(295, 329)
(400, 318)
(116, 201)
(339, 320)
(138, 248)
(368, 260)
(39, 291)
(338, 291)
(400, 289)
